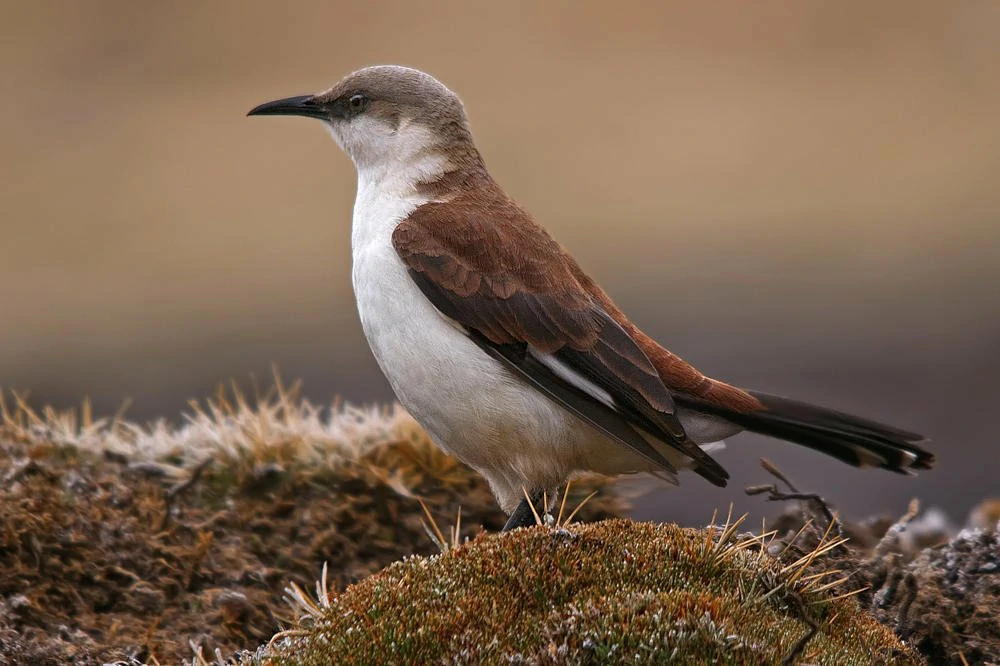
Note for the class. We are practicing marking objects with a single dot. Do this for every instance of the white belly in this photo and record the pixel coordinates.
(469, 403)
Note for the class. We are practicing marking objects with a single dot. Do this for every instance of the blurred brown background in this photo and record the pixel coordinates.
(801, 197)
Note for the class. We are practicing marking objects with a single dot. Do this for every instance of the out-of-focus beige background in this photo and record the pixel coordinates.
(802, 197)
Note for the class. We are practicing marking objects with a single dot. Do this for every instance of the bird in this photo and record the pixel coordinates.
(501, 346)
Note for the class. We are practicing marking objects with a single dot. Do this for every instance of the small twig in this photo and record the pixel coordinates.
(775, 495)
(773, 470)
(813, 500)
(179, 488)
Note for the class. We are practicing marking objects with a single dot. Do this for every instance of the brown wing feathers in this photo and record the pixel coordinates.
(486, 265)
(677, 374)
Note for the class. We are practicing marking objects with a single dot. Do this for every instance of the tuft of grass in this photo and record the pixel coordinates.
(575, 594)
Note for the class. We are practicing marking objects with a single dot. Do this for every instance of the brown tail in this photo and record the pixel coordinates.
(852, 439)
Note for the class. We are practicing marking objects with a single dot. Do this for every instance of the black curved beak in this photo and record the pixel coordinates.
(303, 105)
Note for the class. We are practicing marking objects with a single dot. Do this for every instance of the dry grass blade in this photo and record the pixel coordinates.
(432, 529)
(795, 537)
(811, 555)
(710, 531)
(323, 587)
(845, 595)
(816, 577)
(562, 504)
(824, 546)
(579, 506)
(757, 540)
(456, 530)
(24, 409)
(287, 633)
(830, 585)
(300, 601)
(729, 530)
(792, 576)
(804, 562)
(723, 547)
(531, 505)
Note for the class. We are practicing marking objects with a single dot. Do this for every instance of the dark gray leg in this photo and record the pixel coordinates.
(522, 516)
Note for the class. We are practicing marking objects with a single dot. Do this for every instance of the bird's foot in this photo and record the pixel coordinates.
(524, 515)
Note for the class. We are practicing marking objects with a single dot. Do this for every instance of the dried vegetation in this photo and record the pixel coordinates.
(149, 543)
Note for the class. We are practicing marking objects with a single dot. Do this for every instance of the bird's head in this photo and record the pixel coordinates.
(386, 115)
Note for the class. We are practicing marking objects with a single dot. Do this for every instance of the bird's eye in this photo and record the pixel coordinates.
(357, 103)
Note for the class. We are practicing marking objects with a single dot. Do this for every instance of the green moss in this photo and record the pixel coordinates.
(616, 590)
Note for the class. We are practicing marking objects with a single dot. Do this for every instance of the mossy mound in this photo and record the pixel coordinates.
(615, 591)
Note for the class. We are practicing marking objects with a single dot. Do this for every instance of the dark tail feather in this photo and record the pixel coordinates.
(852, 439)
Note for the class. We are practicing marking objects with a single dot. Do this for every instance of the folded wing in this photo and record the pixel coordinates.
(485, 264)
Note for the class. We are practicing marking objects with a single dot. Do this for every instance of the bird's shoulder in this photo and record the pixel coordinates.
(482, 235)
(483, 261)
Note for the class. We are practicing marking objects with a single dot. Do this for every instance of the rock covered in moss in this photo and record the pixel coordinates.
(616, 591)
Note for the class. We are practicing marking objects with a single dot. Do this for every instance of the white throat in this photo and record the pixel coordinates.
(391, 163)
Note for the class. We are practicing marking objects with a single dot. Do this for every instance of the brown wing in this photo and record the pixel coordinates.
(485, 264)
(677, 374)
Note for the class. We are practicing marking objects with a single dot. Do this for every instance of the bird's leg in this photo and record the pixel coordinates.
(523, 516)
